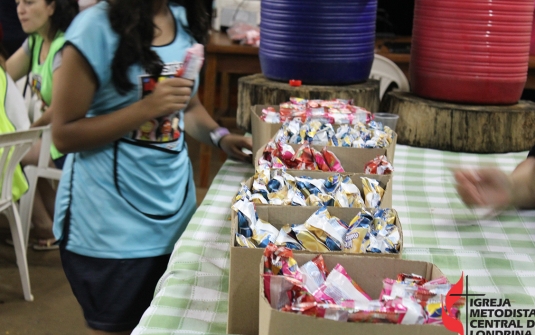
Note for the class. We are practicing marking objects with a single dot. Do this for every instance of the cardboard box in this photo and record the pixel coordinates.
(369, 273)
(263, 132)
(353, 160)
(243, 273)
(385, 181)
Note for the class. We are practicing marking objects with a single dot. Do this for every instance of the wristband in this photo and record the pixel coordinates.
(217, 134)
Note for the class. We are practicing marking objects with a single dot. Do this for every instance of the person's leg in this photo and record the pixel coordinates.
(32, 157)
(42, 217)
(48, 195)
(113, 293)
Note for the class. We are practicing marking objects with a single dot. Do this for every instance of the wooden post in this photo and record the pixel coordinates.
(462, 128)
(258, 90)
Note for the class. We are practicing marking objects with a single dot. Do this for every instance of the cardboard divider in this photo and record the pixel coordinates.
(353, 160)
(274, 322)
(385, 181)
(243, 273)
(263, 132)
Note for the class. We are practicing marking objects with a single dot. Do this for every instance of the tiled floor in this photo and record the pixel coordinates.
(54, 310)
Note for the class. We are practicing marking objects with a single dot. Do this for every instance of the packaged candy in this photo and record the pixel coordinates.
(320, 161)
(320, 225)
(279, 261)
(373, 192)
(308, 240)
(332, 161)
(305, 158)
(375, 317)
(270, 115)
(336, 296)
(278, 289)
(243, 241)
(339, 287)
(192, 62)
(379, 165)
(353, 240)
(286, 238)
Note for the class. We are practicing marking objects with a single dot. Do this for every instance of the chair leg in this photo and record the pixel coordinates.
(26, 202)
(20, 249)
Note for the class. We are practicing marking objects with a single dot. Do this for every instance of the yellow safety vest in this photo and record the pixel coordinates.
(20, 186)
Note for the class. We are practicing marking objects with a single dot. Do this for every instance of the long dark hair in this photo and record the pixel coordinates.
(63, 15)
(130, 21)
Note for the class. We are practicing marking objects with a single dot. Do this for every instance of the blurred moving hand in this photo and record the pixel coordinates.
(493, 188)
(488, 187)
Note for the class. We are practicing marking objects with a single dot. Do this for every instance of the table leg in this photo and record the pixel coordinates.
(209, 99)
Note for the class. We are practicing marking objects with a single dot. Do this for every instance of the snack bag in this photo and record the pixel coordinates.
(192, 62)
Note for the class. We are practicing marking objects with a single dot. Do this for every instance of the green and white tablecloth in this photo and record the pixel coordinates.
(497, 254)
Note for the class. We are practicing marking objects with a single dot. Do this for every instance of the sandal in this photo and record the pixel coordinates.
(46, 245)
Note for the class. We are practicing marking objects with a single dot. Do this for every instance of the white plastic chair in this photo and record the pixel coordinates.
(18, 143)
(33, 173)
(387, 72)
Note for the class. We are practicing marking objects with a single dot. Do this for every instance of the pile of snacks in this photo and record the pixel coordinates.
(279, 155)
(361, 135)
(337, 111)
(312, 290)
(372, 231)
(277, 187)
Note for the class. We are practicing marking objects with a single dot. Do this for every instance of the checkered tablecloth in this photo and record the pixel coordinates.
(497, 254)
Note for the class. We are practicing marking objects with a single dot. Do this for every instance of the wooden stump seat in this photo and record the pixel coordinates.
(460, 127)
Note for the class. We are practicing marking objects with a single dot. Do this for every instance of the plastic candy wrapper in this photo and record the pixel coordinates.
(278, 155)
(305, 158)
(335, 296)
(246, 217)
(336, 111)
(308, 240)
(353, 240)
(279, 261)
(373, 192)
(317, 132)
(379, 165)
(411, 292)
(192, 62)
(321, 232)
(313, 273)
(270, 115)
(332, 161)
(327, 229)
(287, 238)
(382, 235)
(339, 287)
(348, 194)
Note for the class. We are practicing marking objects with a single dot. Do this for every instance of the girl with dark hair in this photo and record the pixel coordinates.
(45, 21)
(127, 191)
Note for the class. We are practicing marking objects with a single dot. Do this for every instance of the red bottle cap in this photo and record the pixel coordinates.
(295, 82)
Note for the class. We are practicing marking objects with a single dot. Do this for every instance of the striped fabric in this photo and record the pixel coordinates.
(497, 254)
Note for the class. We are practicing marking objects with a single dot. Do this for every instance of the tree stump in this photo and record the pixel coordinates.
(258, 90)
(462, 128)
